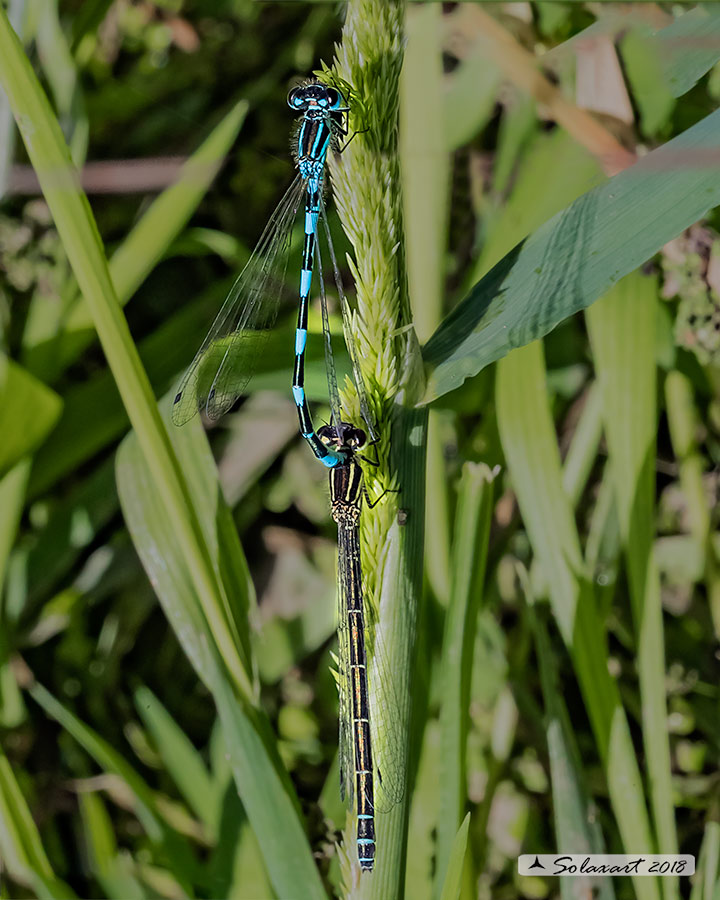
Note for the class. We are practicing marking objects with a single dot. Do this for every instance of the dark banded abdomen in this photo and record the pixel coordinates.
(346, 486)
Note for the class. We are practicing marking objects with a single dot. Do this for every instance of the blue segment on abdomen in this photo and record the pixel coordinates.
(310, 222)
(305, 279)
(298, 394)
(300, 340)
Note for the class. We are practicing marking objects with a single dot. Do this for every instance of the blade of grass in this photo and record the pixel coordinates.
(577, 256)
(77, 229)
(104, 861)
(28, 413)
(456, 860)
(622, 336)
(684, 423)
(163, 559)
(426, 178)
(58, 66)
(576, 827)
(424, 815)
(22, 850)
(472, 532)
(16, 14)
(110, 760)
(264, 792)
(158, 227)
(12, 501)
(583, 448)
(528, 437)
(707, 878)
(263, 783)
(181, 760)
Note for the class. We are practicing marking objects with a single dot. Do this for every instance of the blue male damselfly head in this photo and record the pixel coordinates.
(316, 96)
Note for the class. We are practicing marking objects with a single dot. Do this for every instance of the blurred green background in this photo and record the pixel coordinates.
(630, 402)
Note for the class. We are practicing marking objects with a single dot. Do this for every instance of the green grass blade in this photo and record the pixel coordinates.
(622, 336)
(77, 229)
(583, 448)
(16, 14)
(689, 47)
(110, 869)
(684, 423)
(553, 171)
(456, 860)
(426, 171)
(181, 760)
(424, 814)
(577, 255)
(154, 534)
(707, 873)
(106, 757)
(22, 851)
(426, 180)
(576, 827)
(12, 501)
(472, 532)
(28, 412)
(528, 438)
(263, 784)
(158, 227)
(265, 794)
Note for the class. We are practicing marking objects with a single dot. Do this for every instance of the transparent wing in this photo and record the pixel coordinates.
(386, 719)
(225, 362)
(346, 746)
(349, 339)
(330, 370)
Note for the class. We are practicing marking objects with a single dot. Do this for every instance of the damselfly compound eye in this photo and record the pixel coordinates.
(296, 98)
(334, 98)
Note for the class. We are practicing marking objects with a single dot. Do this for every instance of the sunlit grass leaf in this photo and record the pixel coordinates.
(265, 792)
(528, 437)
(143, 247)
(576, 827)
(453, 878)
(155, 540)
(622, 336)
(577, 255)
(81, 240)
(469, 554)
(28, 412)
(264, 787)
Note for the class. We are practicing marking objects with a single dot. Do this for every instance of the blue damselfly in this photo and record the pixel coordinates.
(216, 378)
(225, 362)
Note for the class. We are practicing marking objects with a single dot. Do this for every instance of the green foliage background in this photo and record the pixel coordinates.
(561, 656)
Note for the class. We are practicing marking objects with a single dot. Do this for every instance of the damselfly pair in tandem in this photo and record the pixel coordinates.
(372, 769)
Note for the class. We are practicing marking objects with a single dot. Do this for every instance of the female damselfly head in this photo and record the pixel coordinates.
(316, 96)
(343, 437)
